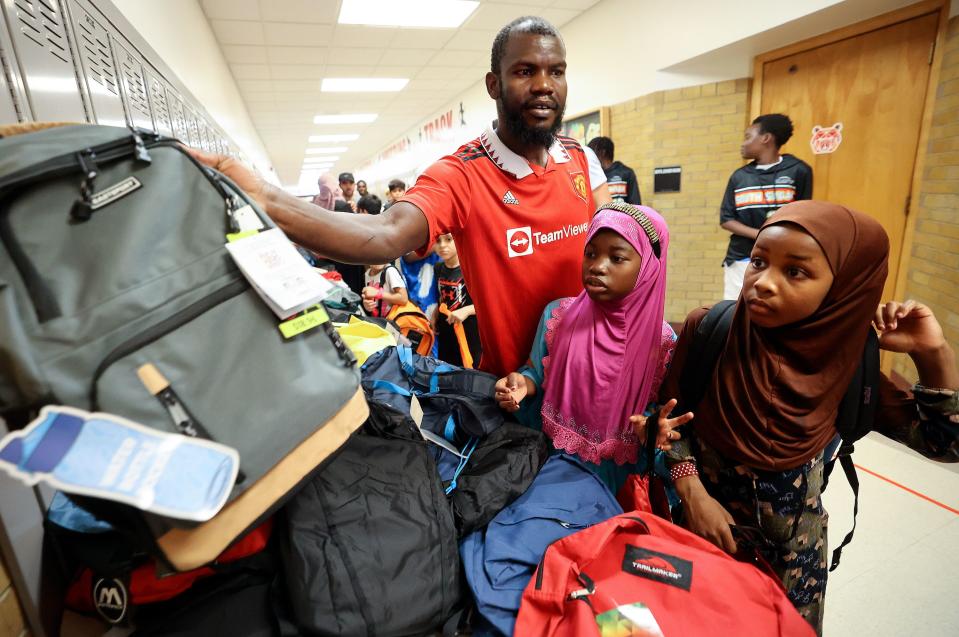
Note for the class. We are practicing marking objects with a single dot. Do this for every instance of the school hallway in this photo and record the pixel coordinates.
(900, 573)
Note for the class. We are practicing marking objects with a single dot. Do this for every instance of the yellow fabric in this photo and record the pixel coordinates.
(365, 339)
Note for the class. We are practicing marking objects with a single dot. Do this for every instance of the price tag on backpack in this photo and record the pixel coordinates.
(416, 411)
(278, 273)
(247, 219)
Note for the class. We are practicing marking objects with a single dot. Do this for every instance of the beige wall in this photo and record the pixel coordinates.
(699, 128)
(933, 274)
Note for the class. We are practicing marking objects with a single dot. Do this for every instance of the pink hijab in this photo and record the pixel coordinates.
(327, 194)
(605, 361)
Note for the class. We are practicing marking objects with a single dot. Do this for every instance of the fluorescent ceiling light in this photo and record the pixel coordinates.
(351, 118)
(362, 84)
(329, 150)
(446, 14)
(344, 137)
(329, 158)
(317, 160)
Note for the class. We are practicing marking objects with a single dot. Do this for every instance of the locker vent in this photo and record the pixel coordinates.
(41, 23)
(95, 50)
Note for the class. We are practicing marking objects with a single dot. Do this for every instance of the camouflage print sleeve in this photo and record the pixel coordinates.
(933, 430)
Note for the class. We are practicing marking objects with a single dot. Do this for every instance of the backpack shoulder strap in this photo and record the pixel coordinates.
(855, 418)
(708, 342)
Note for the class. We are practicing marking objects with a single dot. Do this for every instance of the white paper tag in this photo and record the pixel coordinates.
(247, 219)
(416, 411)
(272, 265)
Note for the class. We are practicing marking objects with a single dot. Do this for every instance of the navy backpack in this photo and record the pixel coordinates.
(499, 561)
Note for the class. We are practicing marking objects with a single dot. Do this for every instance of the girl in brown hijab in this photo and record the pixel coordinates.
(755, 457)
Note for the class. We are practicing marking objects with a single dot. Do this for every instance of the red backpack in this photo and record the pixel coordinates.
(637, 574)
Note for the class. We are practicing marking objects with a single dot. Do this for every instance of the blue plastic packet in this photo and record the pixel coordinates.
(109, 457)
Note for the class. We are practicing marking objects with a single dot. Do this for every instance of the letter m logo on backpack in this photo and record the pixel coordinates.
(854, 419)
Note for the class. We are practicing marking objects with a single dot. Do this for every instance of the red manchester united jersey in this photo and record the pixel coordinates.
(520, 231)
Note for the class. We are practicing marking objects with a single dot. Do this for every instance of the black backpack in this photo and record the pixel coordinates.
(857, 411)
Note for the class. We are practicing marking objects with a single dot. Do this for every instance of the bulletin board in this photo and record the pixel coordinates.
(585, 126)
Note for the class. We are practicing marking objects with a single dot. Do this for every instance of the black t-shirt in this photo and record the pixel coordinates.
(453, 292)
(622, 184)
(752, 195)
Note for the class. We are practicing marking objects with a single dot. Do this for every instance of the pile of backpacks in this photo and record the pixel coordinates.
(386, 497)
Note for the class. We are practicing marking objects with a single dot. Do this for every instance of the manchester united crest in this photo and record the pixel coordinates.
(579, 185)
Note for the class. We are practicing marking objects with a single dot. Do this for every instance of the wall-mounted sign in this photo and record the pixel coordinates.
(667, 178)
(826, 140)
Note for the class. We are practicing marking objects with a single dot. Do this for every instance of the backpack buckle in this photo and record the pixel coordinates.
(82, 208)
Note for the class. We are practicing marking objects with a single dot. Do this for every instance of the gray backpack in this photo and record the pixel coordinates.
(111, 257)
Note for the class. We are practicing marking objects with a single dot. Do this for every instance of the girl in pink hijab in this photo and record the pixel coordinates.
(598, 359)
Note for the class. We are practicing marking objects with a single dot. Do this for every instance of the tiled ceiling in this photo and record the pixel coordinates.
(279, 50)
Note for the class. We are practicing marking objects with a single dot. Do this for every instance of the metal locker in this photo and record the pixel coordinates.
(156, 90)
(9, 113)
(193, 126)
(41, 59)
(134, 86)
(177, 116)
(99, 70)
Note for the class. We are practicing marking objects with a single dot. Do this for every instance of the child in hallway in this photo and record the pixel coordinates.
(451, 287)
(598, 359)
(798, 331)
(384, 289)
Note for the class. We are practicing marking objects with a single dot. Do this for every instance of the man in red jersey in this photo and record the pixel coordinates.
(516, 200)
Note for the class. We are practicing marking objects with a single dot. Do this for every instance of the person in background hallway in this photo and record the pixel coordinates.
(757, 190)
(516, 200)
(361, 188)
(454, 295)
(395, 191)
(348, 188)
(369, 204)
(755, 455)
(597, 179)
(620, 178)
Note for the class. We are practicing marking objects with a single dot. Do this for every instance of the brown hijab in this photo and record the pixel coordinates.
(773, 401)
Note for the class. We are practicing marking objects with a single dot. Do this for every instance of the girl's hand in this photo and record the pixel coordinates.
(510, 391)
(665, 436)
(707, 518)
(909, 328)
(369, 305)
(369, 292)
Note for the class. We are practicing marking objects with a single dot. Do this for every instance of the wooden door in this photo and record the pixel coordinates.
(874, 85)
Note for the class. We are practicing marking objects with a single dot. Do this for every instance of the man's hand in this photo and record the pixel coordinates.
(242, 176)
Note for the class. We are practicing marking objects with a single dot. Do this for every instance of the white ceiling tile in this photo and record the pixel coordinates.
(254, 86)
(528, 3)
(363, 37)
(250, 71)
(297, 71)
(473, 40)
(421, 38)
(559, 17)
(400, 57)
(297, 54)
(355, 56)
(290, 34)
(308, 87)
(244, 54)
(426, 85)
(320, 11)
(350, 70)
(231, 9)
(442, 73)
(580, 5)
(495, 16)
(459, 58)
(237, 32)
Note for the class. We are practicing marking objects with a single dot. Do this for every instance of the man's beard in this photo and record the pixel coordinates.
(529, 135)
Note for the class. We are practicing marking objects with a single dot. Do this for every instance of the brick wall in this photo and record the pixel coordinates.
(933, 271)
(700, 129)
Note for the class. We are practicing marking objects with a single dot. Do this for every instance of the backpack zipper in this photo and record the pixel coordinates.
(44, 303)
(161, 329)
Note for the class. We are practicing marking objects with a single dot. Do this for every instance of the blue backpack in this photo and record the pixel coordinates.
(499, 561)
